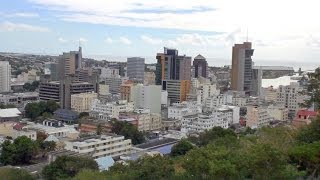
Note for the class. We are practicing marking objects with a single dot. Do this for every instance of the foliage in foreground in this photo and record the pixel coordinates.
(269, 153)
(14, 174)
(65, 167)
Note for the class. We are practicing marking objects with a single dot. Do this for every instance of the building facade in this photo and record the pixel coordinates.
(257, 116)
(241, 72)
(5, 76)
(173, 72)
(135, 68)
(101, 146)
(200, 66)
(82, 102)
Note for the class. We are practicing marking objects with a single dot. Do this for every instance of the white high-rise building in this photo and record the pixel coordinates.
(147, 97)
(290, 97)
(5, 76)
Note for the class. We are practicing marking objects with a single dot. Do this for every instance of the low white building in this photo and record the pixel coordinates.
(204, 121)
(111, 110)
(58, 132)
(178, 110)
(100, 146)
(231, 112)
(19, 99)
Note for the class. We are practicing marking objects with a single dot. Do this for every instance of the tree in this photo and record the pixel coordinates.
(99, 129)
(89, 174)
(127, 130)
(212, 135)
(14, 174)
(65, 167)
(45, 109)
(51, 106)
(19, 152)
(156, 167)
(307, 157)
(32, 110)
(181, 148)
(83, 114)
(310, 133)
(314, 89)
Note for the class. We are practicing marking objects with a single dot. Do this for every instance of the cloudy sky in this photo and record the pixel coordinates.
(281, 30)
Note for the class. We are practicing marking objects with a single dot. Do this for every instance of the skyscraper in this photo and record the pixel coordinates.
(173, 72)
(135, 68)
(241, 72)
(5, 76)
(69, 63)
(200, 66)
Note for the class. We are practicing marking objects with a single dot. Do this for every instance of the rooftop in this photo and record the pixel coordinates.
(9, 113)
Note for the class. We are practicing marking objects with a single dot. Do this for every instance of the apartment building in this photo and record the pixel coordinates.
(257, 116)
(145, 121)
(100, 146)
(82, 102)
(204, 121)
(278, 113)
(290, 97)
(178, 110)
(110, 110)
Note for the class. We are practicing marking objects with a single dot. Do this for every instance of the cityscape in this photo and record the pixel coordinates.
(178, 114)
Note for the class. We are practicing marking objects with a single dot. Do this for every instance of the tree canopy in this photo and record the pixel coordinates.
(268, 153)
(20, 151)
(128, 130)
(65, 167)
(14, 174)
(37, 109)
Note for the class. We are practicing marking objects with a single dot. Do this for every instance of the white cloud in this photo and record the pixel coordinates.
(151, 40)
(125, 40)
(62, 40)
(83, 40)
(9, 26)
(109, 40)
(24, 15)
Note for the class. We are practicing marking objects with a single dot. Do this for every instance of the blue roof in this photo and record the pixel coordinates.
(105, 163)
(164, 149)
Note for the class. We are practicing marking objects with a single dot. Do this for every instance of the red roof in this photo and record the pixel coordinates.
(305, 112)
(18, 126)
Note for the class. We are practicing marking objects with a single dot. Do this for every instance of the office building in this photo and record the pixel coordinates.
(200, 66)
(61, 91)
(147, 97)
(52, 69)
(69, 63)
(125, 92)
(173, 72)
(108, 72)
(241, 72)
(256, 81)
(5, 76)
(19, 99)
(100, 146)
(114, 84)
(135, 68)
(82, 102)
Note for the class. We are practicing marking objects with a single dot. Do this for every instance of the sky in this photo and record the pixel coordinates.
(280, 30)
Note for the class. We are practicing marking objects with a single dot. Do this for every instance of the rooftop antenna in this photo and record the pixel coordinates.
(79, 42)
